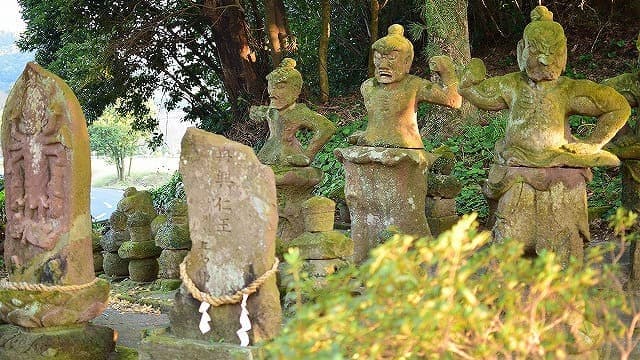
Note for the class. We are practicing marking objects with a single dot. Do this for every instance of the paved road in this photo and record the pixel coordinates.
(103, 202)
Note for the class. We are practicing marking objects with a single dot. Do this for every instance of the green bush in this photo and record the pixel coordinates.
(332, 184)
(454, 297)
(173, 189)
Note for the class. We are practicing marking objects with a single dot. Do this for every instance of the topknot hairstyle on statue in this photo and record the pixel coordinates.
(542, 24)
(394, 40)
(286, 72)
(542, 29)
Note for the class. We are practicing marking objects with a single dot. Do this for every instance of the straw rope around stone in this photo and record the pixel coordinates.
(24, 286)
(224, 299)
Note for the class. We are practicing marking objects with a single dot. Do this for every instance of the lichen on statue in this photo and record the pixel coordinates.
(392, 95)
(286, 117)
(540, 102)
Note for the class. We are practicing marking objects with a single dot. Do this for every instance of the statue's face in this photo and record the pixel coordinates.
(282, 94)
(543, 58)
(391, 66)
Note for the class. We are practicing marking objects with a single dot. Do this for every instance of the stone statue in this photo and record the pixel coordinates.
(385, 173)
(537, 186)
(288, 158)
(392, 95)
(286, 117)
(626, 145)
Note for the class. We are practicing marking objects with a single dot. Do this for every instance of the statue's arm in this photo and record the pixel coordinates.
(611, 109)
(447, 94)
(322, 128)
(483, 93)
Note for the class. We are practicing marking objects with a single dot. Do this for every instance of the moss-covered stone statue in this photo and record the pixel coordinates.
(537, 186)
(386, 170)
(283, 151)
(52, 291)
(626, 145)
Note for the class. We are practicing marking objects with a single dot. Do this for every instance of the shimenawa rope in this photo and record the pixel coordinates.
(224, 299)
(24, 286)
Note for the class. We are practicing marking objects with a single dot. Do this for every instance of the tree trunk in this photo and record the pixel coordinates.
(323, 50)
(373, 28)
(120, 168)
(448, 34)
(280, 39)
(243, 75)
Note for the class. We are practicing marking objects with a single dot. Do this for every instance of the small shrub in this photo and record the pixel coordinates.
(454, 297)
(173, 189)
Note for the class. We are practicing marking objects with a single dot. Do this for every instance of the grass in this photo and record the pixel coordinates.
(143, 180)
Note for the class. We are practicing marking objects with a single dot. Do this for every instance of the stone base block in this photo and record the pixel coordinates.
(114, 265)
(320, 246)
(442, 224)
(143, 270)
(82, 342)
(97, 262)
(162, 345)
(139, 250)
(169, 262)
(439, 207)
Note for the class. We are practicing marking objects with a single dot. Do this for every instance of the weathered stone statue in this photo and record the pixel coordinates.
(48, 247)
(386, 172)
(173, 237)
(538, 184)
(283, 151)
(626, 145)
(442, 189)
(232, 222)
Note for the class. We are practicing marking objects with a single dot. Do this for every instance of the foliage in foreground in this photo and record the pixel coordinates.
(451, 297)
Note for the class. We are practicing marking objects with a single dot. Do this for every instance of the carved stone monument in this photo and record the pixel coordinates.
(232, 222)
(289, 159)
(537, 185)
(626, 145)
(385, 173)
(114, 266)
(48, 250)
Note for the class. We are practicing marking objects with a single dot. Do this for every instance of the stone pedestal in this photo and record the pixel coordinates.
(545, 208)
(294, 186)
(384, 187)
(161, 344)
(81, 342)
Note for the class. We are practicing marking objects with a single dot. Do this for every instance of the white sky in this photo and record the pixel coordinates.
(10, 19)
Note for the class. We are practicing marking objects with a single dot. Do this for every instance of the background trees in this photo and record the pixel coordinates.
(111, 135)
(210, 57)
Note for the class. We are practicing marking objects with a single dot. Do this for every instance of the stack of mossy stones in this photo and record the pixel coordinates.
(323, 249)
(174, 239)
(141, 250)
(97, 252)
(113, 265)
(442, 189)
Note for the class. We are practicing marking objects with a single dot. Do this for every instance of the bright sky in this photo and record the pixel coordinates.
(10, 19)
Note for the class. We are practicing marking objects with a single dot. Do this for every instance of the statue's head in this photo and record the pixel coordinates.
(392, 56)
(542, 52)
(284, 84)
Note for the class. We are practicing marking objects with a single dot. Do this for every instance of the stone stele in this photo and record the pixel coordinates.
(537, 186)
(48, 233)
(233, 217)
